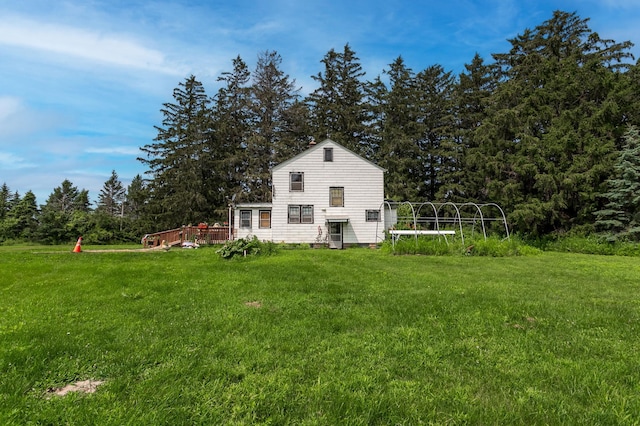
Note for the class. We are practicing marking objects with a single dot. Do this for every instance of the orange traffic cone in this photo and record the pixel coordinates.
(78, 248)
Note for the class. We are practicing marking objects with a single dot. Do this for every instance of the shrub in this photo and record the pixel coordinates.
(246, 247)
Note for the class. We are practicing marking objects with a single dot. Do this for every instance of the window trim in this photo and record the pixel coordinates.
(243, 219)
(260, 219)
(368, 211)
(328, 155)
(300, 183)
(299, 217)
(331, 197)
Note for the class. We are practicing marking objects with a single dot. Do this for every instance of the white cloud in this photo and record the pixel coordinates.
(89, 45)
(115, 150)
(9, 161)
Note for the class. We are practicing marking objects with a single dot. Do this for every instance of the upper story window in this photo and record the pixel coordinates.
(296, 181)
(336, 197)
(245, 218)
(328, 154)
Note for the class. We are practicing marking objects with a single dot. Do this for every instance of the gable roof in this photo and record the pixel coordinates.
(320, 145)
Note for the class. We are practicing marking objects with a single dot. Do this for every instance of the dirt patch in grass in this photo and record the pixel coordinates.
(83, 386)
(255, 304)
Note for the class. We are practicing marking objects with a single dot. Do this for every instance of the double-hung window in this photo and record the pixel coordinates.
(328, 154)
(300, 214)
(296, 181)
(245, 218)
(336, 196)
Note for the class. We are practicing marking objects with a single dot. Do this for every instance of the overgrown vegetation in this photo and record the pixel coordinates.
(452, 246)
(318, 337)
(246, 247)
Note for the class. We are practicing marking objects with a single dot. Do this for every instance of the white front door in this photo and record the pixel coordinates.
(335, 235)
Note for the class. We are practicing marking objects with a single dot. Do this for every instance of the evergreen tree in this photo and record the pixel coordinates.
(337, 108)
(273, 95)
(231, 123)
(178, 160)
(65, 215)
(5, 197)
(547, 147)
(399, 132)
(21, 222)
(620, 219)
(112, 196)
(438, 154)
(472, 96)
(135, 198)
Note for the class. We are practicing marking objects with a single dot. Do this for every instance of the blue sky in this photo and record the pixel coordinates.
(83, 81)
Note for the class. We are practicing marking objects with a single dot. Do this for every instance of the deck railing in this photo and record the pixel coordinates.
(197, 234)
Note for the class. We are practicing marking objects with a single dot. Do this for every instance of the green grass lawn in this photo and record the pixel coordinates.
(318, 337)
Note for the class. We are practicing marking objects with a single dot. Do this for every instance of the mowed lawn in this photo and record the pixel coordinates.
(318, 337)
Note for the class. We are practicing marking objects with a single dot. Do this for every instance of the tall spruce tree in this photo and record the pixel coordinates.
(547, 146)
(620, 219)
(273, 95)
(111, 197)
(337, 108)
(396, 120)
(5, 197)
(438, 153)
(472, 96)
(177, 159)
(232, 127)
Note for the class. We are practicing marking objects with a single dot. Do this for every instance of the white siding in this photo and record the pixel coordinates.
(363, 184)
(263, 234)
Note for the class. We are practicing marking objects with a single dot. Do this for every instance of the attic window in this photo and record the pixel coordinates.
(296, 181)
(328, 154)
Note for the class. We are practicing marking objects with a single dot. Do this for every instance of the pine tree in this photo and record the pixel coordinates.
(273, 95)
(397, 122)
(5, 196)
(112, 196)
(21, 221)
(438, 153)
(620, 219)
(337, 108)
(472, 96)
(231, 124)
(547, 147)
(64, 216)
(178, 160)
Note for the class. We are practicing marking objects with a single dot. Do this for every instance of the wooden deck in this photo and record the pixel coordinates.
(197, 234)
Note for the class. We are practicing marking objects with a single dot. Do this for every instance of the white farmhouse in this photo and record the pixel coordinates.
(326, 194)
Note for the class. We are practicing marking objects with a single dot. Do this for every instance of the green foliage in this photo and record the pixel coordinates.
(448, 246)
(246, 247)
(620, 218)
(317, 337)
(589, 245)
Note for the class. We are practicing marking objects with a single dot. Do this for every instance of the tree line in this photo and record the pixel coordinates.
(547, 130)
